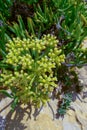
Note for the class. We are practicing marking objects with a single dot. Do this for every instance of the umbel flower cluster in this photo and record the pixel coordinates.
(34, 61)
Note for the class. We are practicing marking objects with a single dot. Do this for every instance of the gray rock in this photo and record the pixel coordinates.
(69, 126)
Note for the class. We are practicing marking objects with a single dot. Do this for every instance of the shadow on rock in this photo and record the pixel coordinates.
(14, 119)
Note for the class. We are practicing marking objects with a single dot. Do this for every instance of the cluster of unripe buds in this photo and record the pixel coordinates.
(36, 60)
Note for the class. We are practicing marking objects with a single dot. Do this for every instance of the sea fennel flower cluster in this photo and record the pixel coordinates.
(34, 61)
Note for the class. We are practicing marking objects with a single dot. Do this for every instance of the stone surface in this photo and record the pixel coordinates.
(70, 126)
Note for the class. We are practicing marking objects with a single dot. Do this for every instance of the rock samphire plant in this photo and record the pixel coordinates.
(33, 66)
(30, 68)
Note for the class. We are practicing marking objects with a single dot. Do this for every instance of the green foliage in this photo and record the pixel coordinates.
(12, 96)
(2, 37)
(42, 20)
(72, 29)
(29, 1)
(68, 18)
(80, 57)
(71, 26)
(33, 61)
(44, 16)
(65, 104)
(19, 29)
(5, 7)
(6, 93)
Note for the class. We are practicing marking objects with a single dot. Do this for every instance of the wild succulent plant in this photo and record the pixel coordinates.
(33, 62)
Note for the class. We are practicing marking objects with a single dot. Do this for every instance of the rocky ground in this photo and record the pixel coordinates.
(74, 119)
